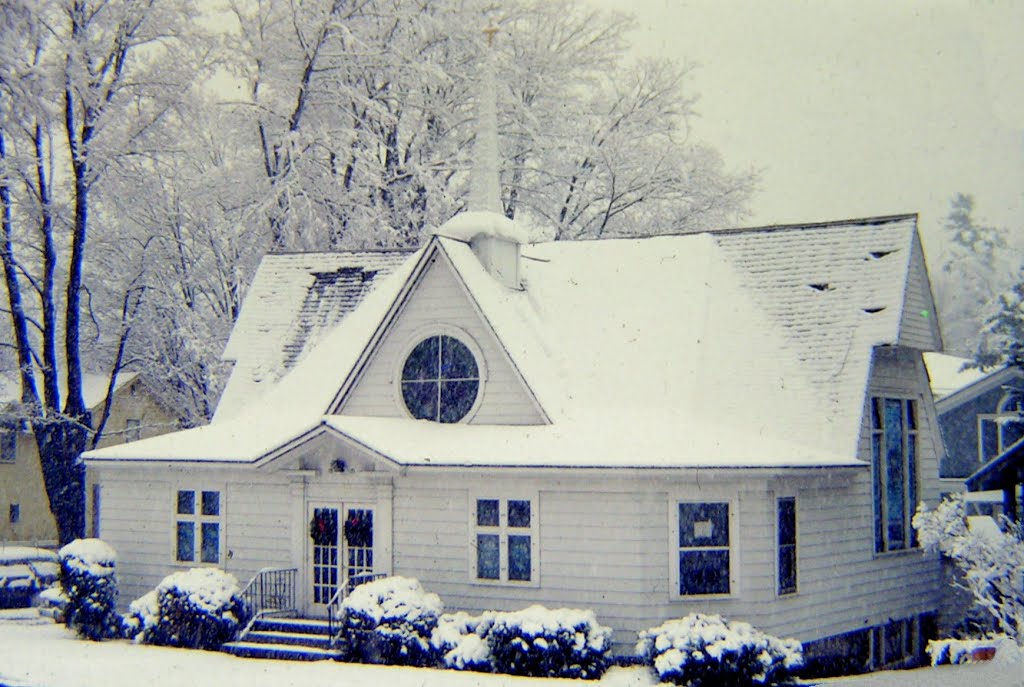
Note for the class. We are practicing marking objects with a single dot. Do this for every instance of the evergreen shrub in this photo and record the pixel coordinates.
(390, 621)
(201, 608)
(707, 651)
(88, 579)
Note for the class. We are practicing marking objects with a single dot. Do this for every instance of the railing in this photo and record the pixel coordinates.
(270, 591)
(344, 589)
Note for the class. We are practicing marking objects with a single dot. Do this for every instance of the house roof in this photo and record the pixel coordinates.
(734, 348)
(94, 387)
(948, 373)
(1003, 471)
(293, 300)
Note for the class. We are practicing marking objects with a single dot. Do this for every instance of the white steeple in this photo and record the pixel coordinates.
(485, 188)
(495, 239)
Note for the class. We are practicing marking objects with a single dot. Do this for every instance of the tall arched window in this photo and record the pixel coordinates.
(440, 379)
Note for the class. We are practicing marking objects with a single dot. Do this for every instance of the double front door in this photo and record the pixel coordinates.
(340, 551)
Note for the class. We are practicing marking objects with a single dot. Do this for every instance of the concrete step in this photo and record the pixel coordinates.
(320, 641)
(280, 652)
(292, 625)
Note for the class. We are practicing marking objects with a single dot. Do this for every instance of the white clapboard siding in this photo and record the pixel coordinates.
(918, 326)
(604, 544)
(440, 301)
(137, 518)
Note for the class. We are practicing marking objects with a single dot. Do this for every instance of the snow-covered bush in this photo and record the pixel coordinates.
(991, 560)
(87, 576)
(706, 650)
(459, 640)
(199, 609)
(390, 621)
(541, 642)
(956, 651)
(535, 642)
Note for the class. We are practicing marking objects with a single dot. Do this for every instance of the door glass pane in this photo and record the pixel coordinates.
(211, 542)
(487, 555)
(518, 557)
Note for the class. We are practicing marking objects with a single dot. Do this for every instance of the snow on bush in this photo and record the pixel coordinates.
(535, 642)
(390, 621)
(702, 650)
(459, 641)
(199, 609)
(541, 642)
(957, 651)
(87, 576)
(991, 560)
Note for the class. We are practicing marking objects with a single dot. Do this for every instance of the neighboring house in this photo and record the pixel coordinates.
(736, 422)
(980, 418)
(24, 507)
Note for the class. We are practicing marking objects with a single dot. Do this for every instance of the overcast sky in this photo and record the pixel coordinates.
(856, 107)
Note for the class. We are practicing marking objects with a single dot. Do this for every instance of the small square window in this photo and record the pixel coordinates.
(186, 503)
(488, 557)
(211, 542)
(487, 512)
(519, 557)
(186, 550)
(518, 513)
(132, 429)
(8, 446)
(15, 513)
(211, 503)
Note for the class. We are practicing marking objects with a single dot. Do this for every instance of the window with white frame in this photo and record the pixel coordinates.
(894, 464)
(198, 526)
(1000, 430)
(8, 445)
(704, 551)
(505, 539)
(132, 429)
(786, 540)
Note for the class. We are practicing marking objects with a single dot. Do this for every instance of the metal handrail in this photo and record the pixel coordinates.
(271, 591)
(343, 590)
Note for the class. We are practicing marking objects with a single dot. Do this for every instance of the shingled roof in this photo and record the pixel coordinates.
(736, 348)
(294, 298)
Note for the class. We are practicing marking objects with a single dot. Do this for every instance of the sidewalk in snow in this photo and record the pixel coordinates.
(36, 653)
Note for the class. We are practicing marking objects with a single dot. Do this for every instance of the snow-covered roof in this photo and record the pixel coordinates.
(947, 373)
(294, 298)
(467, 226)
(94, 387)
(736, 348)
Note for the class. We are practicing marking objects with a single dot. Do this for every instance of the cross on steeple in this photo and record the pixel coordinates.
(490, 31)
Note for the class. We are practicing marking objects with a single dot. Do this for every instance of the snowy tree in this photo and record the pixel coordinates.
(1004, 330)
(974, 269)
(363, 114)
(991, 562)
(85, 87)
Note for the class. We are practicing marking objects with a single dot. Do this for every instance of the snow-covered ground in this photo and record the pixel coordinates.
(36, 653)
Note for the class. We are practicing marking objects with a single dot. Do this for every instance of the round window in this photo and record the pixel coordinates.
(440, 380)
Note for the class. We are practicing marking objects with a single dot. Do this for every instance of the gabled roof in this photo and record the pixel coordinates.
(1002, 472)
(94, 387)
(293, 300)
(948, 374)
(753, 346)
(952, 385)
